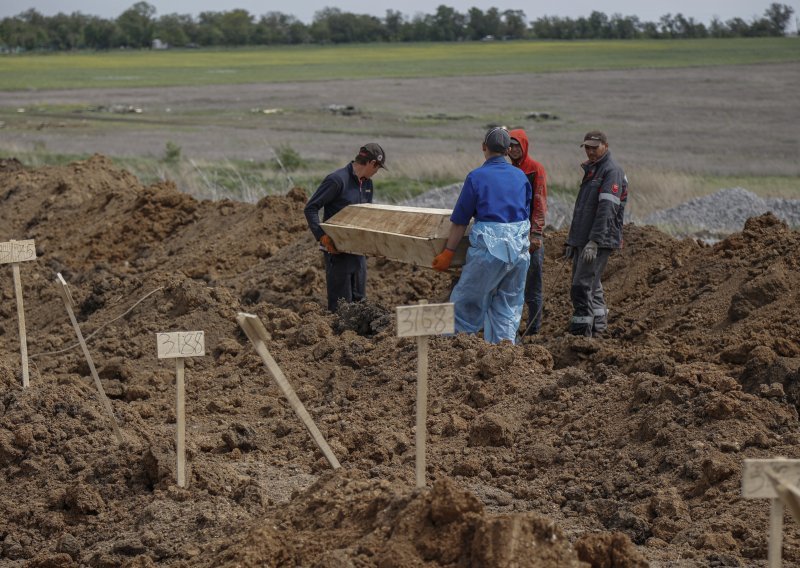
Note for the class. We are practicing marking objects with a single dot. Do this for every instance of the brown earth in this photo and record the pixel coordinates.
(564, 451)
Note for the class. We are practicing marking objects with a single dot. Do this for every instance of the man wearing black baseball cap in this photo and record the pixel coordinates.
(346, 274)
(595, 232)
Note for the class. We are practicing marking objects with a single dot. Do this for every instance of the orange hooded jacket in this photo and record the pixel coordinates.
(538, 178)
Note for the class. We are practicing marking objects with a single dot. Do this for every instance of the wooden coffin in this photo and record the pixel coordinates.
(407, 234)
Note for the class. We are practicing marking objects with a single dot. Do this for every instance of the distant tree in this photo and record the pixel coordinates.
(137, 24)
(394, 23)
(102, 34)
(717, 28)
(66, 32)
(514, 26)
(476, 23)
(448, 24)
(173, 29)
(624, 27)
(237, 27)
(738, 27)
(209, 29)
(778, 17)
(277, 28)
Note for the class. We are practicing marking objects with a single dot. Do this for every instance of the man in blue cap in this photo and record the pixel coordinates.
(490, 293)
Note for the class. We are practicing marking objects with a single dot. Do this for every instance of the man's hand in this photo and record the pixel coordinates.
(328, 243)
(536, 242)
(589, 252)
(442, 261)
(569, 251)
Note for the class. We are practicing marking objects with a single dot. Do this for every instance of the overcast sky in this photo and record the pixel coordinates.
(701, 11)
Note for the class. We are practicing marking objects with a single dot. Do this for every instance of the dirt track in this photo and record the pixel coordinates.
(615, 451)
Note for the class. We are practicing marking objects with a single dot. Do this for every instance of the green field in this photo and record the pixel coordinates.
(306, 63)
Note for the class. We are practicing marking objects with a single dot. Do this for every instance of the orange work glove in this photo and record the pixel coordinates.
(442, 261)
(327, 242)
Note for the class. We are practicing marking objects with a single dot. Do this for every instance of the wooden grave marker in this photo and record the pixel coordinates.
(777, 480)
(258, 335)
(422, 321)
(178, 345)
(101, 393)
(14, 252)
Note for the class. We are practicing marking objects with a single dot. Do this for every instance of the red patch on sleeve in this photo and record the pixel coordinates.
(614, 188)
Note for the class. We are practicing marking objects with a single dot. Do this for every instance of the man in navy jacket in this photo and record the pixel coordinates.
(346, 274)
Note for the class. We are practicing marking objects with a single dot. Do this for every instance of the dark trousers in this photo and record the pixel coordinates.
(346, 276)
(589, 314)
(533, 291)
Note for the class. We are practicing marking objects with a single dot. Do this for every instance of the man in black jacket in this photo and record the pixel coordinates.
(596, 230)
(346, 274)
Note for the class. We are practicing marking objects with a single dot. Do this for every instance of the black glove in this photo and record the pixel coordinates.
(589, 252)
(569, 251)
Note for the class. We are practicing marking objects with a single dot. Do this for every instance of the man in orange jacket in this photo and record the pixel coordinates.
(520, 157)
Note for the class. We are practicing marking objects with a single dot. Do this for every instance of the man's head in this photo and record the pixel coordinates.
(370, 159)
(595, 144)
(496, 141)
(519, 145)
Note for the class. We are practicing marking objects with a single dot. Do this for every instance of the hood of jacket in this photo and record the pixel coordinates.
(525, 163)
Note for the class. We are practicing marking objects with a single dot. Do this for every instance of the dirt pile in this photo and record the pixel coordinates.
(556, 452)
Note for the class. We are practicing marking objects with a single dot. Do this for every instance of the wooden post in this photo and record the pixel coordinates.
(23, 336)
(775, 553)
(180, 414)
(179, 345)
(101, 393)
(258, 335)
(15, 252)
(773, 479)
(422, 321)
(422, 407)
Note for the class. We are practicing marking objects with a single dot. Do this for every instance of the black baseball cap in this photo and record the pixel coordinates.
(373, 151)
(594, 138)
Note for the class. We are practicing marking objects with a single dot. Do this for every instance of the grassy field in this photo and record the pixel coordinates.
(306, 63)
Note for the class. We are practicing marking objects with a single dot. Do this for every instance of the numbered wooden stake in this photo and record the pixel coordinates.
(777, 480)
(14, 252)
(67, 297)
(423, 321)
(259, 336)
(178, 346)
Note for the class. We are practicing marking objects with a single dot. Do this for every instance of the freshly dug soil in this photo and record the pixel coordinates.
(609, 452)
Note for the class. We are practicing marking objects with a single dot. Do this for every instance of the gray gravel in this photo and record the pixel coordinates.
(720, 213)
(723, 212)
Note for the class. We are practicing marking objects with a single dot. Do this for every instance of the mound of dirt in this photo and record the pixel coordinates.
(562, 451)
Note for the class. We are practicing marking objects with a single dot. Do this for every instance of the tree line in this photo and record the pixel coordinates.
(138, 27)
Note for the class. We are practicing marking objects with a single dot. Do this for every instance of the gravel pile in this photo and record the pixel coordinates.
(720, 213)
(723, 212)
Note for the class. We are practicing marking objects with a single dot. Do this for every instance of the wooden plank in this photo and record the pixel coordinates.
(17, 251)
(756, 482)
(415, 221)
(101, 393)
(258, 335)
(179, 344)
(425, 319)
(407, 234)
